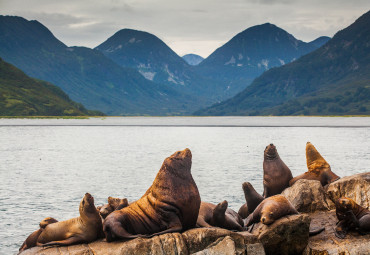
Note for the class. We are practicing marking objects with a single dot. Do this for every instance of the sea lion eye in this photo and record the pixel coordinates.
(271, 214)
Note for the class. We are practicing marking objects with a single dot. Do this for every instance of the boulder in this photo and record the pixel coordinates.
(327, 243)
(288, 235)
(356, 187)
(209, 240)
(307, 196)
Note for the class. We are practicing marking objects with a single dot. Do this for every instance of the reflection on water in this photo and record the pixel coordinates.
(46, 170)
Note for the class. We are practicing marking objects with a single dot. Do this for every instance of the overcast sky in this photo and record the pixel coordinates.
(187, 26)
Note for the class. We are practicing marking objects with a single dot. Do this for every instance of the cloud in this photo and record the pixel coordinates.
(185, 24)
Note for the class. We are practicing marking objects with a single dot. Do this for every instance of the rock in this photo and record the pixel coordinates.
(223, 245)
(288, 235)
(209, 240)
(327, 243)
(307, 196)
(356, 187)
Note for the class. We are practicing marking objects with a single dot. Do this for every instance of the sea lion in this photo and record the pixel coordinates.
(318, 168)
(276, 175)
(271, 209)
(113, 204)
(171, 204)
(31, 240)
(252, 198)
(83, 229)
(351, 216)
(219, 215)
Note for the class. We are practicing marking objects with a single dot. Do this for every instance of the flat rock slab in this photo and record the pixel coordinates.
(327, 243)
(199, 240)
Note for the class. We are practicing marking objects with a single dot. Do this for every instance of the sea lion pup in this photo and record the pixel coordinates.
(171, 204)
(32, 238)
(252, 198)
(271, 209)
(113, 204)
(83, 229)
(318, 168)
(351, 216)
(219, 215)
(276, 175)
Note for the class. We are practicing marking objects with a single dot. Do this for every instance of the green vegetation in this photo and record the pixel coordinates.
(21, 95)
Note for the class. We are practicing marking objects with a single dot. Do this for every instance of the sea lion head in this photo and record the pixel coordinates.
(344, 203)
(270, 151)
(47, 221)
(87, 204)
(313, 156)
(179, 160)
(247, 187)
(221, 207)
(113, 204)
(267, 216)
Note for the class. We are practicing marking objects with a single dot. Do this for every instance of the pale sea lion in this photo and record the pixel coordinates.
(318, 168)
(171, 204)
(351, 216)
(83, 229)
(276, 175)
(31, 240)
(252, 198)
(271, 209)
(211, 215)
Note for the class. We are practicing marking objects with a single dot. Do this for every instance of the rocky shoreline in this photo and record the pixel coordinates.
(288, 235)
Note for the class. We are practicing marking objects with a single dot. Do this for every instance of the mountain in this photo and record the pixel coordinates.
(192, 59)
(320, 41)
(21, 95)
(157, 62)
(334, 79)
(250, 53)
(86, 75)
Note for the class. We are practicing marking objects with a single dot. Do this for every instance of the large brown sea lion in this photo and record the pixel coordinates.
(171, 204)
(318, 168)
(276, 175)
(211, 215)
(351, 216)
(31, 240)
(83, 229)
(252, 198)
(113, 204)
(271, 209)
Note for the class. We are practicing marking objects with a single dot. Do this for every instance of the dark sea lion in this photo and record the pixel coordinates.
(211, 215)
(318, 168)
(171, 204)
(271, 209)
(252, 198)
(276, 175)
(351, 216)
(113, 204)
(83, 229)
(31, 240)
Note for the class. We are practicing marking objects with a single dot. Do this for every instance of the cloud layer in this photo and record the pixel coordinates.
(189, 26)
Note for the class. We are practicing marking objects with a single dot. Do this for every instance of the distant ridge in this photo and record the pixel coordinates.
(250, 53)
(333, 80)
(86, 75)
(193, 59)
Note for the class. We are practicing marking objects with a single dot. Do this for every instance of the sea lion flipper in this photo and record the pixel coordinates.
(69, 241)
(201, 223)
(316, 232)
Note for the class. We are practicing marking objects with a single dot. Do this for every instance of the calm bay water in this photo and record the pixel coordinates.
(46, 166)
